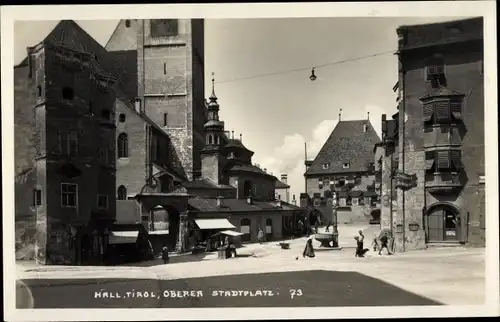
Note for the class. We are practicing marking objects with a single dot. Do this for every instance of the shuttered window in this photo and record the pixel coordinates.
(442, 110)
(456, 110)
(428, 112)
(429, 160)
(443, 160)
(456, 158)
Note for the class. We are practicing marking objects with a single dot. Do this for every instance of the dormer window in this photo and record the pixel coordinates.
(326, 166)
(346, 165)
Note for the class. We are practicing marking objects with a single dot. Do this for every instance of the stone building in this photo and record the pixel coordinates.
(65, 108)
(436, 140)
(170, 159)
(344, 165)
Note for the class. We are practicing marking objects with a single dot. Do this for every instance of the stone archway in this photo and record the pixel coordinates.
(443, 223)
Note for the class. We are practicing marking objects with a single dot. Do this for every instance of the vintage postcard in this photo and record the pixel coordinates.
(306, 160)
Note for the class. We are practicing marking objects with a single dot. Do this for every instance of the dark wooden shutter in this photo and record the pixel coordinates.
(442, 110)
(456, 109)
(428, 112)
(456, 158)
(443, 160)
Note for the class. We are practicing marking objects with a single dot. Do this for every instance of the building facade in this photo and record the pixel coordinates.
(437, 138)
(73, 144)
(344, 166)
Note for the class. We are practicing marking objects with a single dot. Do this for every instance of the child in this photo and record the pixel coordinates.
(164, 254)
(375, 243)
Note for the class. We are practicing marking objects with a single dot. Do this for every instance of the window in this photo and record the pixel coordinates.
(365, 127)
(37, 197)
(165, 119)
(435, 71)
(69, 193)
(443, 161)
(39, 91)
(127, 23)
(210, 139)
(164, 27)
(122, 118)
(68, 143)
(106, 115)
(122, 145)
(67, 93)
(164, 68)
(104, 156)
(442, 112)
(326, 166)
(341, 182)
(346, 165)
(102, 202)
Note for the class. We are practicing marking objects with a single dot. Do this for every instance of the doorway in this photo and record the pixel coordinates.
(443, 224)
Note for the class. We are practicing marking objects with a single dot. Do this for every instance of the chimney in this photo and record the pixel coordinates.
(232, 134)
(340, 115)
(241, 136)
(265, 170)
(284, 178)
(294, 201)
(280, 204)
(220, 202)
(249, 200)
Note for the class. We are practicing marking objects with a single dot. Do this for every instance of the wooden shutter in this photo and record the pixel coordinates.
(456, 158)
(428, 112)
(443, 159)
(442, 110)
(456, 110)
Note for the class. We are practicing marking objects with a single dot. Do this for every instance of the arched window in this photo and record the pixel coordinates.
(247, 188)
(245, 230)
(122, 145)
(210, 139)
(121, 118)
(122, 193)
(269, 229)
(127, 23)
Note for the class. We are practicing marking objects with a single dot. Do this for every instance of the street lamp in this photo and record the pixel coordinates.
(313, 76)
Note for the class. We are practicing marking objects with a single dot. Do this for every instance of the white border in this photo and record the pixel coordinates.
(444, 9)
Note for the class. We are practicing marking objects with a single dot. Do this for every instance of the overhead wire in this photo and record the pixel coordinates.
(306, 68)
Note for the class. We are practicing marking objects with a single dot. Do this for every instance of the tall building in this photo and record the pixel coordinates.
(344, 165)
(70, 164)
(436, 140)
(160, 63)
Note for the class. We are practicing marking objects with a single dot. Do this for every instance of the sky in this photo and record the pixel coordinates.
(276, 114)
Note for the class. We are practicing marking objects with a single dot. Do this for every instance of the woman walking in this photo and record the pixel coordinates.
(260, 235)
(309, 250)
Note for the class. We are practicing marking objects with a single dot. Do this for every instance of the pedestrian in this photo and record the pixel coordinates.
(260, 235)
(308, 250)
(361, 238)
(383, 241)
(360, 251)
(164, 254)
(375, 243)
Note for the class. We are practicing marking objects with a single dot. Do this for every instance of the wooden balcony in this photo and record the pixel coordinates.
(442, 182)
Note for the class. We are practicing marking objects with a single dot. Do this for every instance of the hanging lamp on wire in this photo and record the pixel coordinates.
(313, 76)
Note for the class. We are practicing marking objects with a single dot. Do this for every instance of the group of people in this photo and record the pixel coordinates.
(361, 251)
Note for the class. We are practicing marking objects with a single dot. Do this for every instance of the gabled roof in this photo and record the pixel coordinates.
(280, 185)
(347, 143)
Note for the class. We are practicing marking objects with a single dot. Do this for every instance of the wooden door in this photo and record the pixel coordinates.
(451, 226)
(435, 225)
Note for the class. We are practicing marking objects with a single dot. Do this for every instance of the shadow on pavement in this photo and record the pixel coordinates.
(286, 289)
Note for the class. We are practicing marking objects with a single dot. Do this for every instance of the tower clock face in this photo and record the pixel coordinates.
(164, 27)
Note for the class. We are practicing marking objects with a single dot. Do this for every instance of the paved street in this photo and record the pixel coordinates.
(331, 278)
(308, 288)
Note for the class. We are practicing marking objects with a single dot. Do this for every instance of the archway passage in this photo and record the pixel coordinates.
(443, 224)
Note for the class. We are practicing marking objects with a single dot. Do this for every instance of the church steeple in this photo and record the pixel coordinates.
(214, 128)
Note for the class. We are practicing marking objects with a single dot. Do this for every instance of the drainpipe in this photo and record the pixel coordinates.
(402, 156)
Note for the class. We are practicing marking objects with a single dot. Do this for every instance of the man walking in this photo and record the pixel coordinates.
(383, 244)
(164, 254)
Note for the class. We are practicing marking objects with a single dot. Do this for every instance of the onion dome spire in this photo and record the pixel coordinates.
(213, 98)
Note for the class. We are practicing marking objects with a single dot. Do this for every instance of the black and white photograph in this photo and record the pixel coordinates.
(306, 160)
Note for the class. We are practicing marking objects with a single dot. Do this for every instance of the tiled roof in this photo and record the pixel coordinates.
(441, 33)
(346, 144)
(280, 185)
(205, 184)
(237, 166)
(235, 143)
(235, 205)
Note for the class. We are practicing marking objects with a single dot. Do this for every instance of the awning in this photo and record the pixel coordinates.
(214, 223)
(231, 233)
(123, 237)
(159, 232)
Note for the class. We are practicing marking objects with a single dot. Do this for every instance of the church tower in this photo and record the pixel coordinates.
(170, 79)
(212, 156)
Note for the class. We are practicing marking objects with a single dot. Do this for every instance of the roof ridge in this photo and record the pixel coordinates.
(113, 33)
